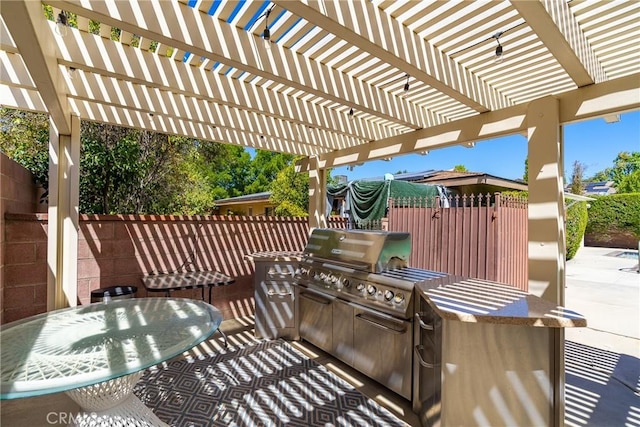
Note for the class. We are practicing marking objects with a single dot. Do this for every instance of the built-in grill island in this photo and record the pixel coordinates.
(464, 351)
(355, 301)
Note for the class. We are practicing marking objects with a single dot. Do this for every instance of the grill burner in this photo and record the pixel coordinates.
(365, 267)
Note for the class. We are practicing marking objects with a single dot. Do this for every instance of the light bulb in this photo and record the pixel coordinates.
(267, 38)
(499, 54)
(62, 24)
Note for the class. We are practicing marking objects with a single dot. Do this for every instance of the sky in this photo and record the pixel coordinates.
(594, 143)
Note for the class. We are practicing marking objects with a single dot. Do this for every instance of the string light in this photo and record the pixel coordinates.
(406, 86)
(62, 24)
(499, 50)
(266, 35)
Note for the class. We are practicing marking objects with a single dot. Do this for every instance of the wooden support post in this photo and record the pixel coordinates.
(546, 224)
(62, 237)
(317, 195)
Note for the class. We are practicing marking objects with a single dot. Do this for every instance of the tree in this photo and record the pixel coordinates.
(290, 192)
(577, 186)
(25, 139)
(460, 168)
(629, 183)
(264, 168)
(623, 173)
(525, 175)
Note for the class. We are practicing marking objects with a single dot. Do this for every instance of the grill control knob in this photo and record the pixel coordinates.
(388, 295)
(371, 290)
(360, 287)
(346, 283)
(399, 298)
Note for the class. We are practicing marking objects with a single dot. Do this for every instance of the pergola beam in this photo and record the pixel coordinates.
(362, 24)
(558, 29)
(108, 58)
(110, 91)
(166, 23)
(614, 96)
(25, 20)
(119, 116)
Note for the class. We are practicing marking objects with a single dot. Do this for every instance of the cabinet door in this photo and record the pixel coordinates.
(427, 365)
(383, 347)
(343, 331)
(275, 303)
(316, 320)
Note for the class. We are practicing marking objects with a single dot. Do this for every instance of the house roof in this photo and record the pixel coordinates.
(605, 187)
(199, 68)
(457, 178)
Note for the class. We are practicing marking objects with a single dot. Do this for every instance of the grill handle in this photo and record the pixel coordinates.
(362, 317)
(273, 293)
(315, 298)
(418, 351)
(422, 324)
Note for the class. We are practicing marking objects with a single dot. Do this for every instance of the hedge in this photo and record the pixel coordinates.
(576, 223)
(616, 213)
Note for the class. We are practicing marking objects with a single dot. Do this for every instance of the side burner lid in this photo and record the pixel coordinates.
(372, 251)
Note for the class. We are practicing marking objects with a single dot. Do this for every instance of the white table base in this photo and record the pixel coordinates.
(112, 403)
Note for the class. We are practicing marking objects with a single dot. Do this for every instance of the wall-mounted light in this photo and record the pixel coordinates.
(424, 153)
(351, 114)
(72, 72)
(469, 144)
(62, 24)
(499, 50)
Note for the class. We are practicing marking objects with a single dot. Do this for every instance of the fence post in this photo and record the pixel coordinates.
(497, 223)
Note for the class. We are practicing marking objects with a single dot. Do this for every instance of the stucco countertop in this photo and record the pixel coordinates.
(483, 301)
(275, 256)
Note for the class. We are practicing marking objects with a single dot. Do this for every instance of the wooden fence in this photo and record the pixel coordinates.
(481, 236)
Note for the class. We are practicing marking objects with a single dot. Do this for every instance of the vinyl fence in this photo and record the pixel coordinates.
(481, 236)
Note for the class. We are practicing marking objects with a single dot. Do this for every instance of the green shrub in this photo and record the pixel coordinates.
(614, 214)
(576, 223)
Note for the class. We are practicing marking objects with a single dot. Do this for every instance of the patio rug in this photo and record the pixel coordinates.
(269, 383)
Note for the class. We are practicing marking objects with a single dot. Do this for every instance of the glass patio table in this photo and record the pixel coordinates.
(96, 353)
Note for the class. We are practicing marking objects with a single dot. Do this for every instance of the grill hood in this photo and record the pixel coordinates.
(372, 251)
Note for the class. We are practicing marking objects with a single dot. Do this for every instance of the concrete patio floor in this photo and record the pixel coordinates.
(602, 360)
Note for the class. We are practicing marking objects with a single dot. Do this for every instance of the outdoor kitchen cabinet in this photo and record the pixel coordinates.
(316, 318)
(485, 354)
(276, 311)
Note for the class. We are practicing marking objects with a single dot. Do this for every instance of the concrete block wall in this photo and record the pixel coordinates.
(121, 249)
(25, 269)
(18, 193)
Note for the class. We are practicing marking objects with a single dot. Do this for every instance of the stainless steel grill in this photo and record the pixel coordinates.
(364, 267)
(355, 298)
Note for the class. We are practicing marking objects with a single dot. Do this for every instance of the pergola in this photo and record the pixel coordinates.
(339, 82)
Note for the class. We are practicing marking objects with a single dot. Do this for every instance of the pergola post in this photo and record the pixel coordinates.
(317, 195)
(546, 224)
(62, 237)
